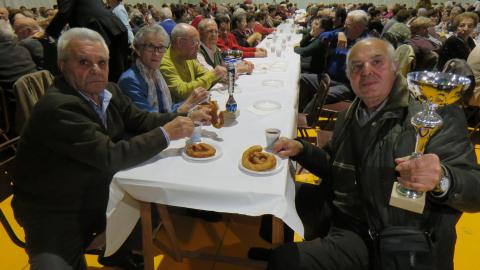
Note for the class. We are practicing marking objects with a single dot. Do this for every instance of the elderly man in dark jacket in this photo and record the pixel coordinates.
(73, 144)
(371, 144)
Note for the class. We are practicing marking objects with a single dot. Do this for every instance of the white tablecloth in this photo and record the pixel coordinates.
(219, 185)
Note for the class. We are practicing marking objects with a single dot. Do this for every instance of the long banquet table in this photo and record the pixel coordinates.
(220, 185)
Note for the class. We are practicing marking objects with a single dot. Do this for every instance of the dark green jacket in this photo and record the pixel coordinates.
(217, 57)
(356, 183)
(66, 158)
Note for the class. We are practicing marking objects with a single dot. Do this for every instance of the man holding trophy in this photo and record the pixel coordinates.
(349, 219)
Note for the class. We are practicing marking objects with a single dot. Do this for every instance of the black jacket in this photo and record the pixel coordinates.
(366, 183)
(86, 13)
(66, 158)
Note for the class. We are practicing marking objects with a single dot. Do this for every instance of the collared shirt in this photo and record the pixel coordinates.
(201, 58)
(363, 115)
(101, 110)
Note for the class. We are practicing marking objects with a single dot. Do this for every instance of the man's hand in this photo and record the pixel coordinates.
(261, 52)
(342, 40)
(419, 174)
(220, 72)
(284, 147)
(197, 96)
(244, 67)
(179, 128)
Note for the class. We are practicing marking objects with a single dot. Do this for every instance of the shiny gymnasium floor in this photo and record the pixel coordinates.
(231, 237)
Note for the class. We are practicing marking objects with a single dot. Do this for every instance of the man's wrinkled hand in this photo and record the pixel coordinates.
(179, 128)
(284, 147)
(419, 174)
(220, 72)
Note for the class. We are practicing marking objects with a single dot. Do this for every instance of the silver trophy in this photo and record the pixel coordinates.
(432, 89)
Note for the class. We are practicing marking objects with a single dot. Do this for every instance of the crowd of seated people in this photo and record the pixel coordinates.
(436, 33)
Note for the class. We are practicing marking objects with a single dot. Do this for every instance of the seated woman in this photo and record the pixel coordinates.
(144, 83)
(312, 48)
(227, 41)
(460, 44)
(243, 35)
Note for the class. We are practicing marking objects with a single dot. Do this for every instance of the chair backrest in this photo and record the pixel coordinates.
(28, 90)
(461, 67)
(7, 158)
(405, 57)
(320, 97)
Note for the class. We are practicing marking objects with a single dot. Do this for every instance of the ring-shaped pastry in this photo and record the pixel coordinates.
(200, 150)
(256, 160)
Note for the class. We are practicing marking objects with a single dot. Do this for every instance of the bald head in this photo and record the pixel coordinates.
(185, 41)
(372, 70)
(25, 27)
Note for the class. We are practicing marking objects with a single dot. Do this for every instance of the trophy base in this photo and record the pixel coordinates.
(410, 204)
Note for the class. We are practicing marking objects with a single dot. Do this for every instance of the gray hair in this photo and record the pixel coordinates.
(148, 31)
(203, 24)
(77, 33)
(390, 52)
(359, 16)
(6, 31)
(165, 13)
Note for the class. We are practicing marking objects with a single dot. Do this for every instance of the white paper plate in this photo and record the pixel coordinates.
(269, 172)
(267, 105)
(273, 83)
(218, 153)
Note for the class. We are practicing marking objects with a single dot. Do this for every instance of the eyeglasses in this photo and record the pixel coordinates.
(152, 48)
(191, 41)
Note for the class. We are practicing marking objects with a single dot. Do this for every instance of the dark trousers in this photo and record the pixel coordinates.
(309, 87)
(59, 242)
(325, 246)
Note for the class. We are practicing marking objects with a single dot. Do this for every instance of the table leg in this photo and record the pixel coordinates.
(167, 222)
(146, 219)
(277, 231)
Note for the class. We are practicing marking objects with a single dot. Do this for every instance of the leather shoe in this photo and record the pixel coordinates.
(123, 260)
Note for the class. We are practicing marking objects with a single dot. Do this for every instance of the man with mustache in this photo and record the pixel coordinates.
(369, 150)
(80, 134)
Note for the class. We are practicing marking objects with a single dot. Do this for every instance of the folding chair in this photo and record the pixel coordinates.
(311, 120)
(7, 154)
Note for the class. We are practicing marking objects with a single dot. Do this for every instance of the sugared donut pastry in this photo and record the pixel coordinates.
(200, 150)
(254, 159)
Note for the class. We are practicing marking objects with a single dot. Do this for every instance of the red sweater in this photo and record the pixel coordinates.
(229, 42)
(262, 29)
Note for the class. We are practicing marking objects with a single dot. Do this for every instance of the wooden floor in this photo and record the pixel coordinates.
(232, 237)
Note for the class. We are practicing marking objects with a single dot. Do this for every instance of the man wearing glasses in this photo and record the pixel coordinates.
(180, 67)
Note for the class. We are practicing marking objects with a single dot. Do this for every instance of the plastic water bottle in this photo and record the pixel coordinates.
(231, 76)
(231, 103)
